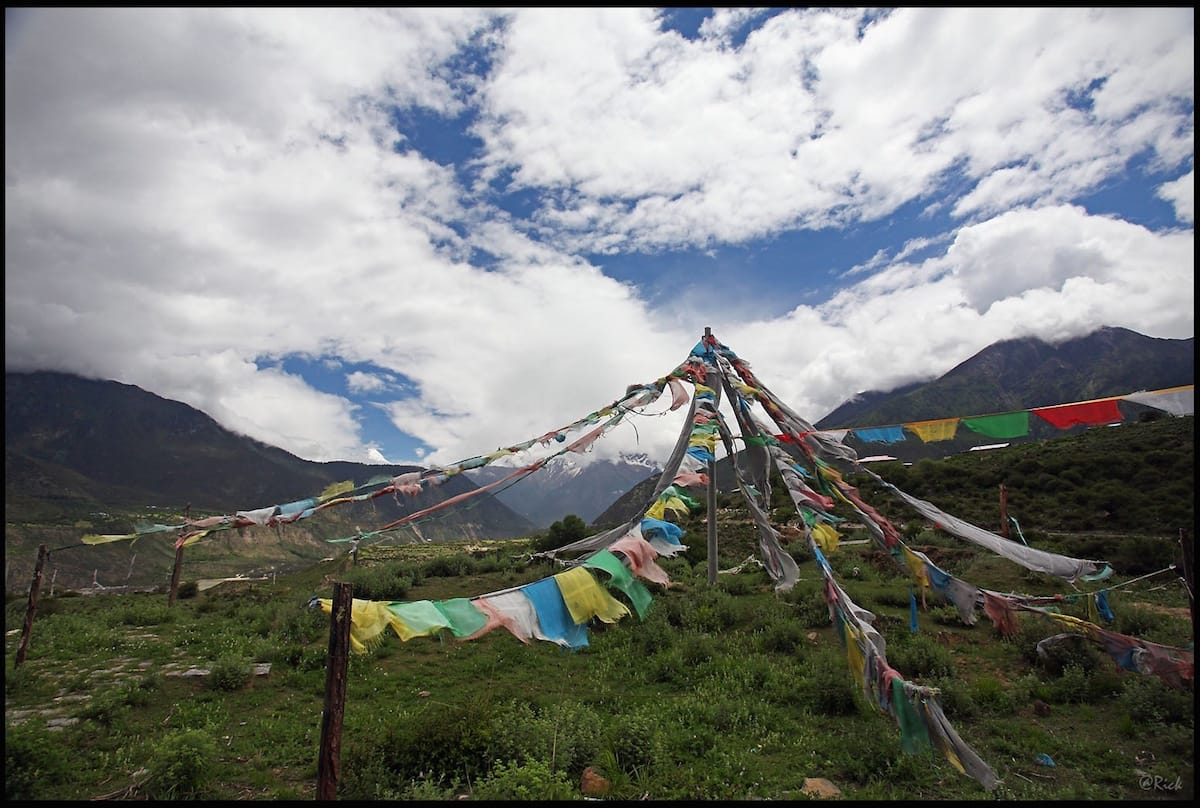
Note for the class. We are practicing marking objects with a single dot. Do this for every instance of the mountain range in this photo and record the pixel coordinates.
(565, 486)
(1015, 375)
(90, 455)
(1007, 376)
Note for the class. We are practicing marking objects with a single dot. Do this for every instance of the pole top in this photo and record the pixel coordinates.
(707, 331)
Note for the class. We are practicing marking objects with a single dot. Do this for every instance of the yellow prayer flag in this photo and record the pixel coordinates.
(932, 431)
(825, 537)
(336, 489)
(586, 599)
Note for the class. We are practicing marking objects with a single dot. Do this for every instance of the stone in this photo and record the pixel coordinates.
(593, 783)
(820, 788)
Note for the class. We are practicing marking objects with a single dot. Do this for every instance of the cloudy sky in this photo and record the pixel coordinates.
(419, 235)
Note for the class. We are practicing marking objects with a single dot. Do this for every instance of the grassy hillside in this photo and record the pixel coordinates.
(726, 691)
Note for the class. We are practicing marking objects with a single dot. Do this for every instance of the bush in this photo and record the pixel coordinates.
(1071, 687)
(634, 740)
(229, 673)
(562, 736)
(448, 567)
(811, 609)
(437, 741)
(654, 634)
(187, 590)
(106, 706)
(991, 694)
(829, 687)
(182, 766)
(570, 529)
(668, 667)
(1137, 621)
(533, 780)
(304, 626)
(956, 697)
(387, 582)
(33, 758)
(919, 655)
(783, 638)
(1151, 701)
(142, 613)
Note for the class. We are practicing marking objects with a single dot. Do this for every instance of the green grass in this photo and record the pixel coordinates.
(724, 692)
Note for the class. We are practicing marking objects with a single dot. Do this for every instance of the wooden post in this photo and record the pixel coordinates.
(1003, 511)
(31, 609)
(1185, 544)
(712, 521)
(175, 572)
(329, 765)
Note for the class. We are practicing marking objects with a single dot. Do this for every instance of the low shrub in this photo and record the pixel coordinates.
(956, 697)
(1150, 701)
(915, 655)
(386, 582)
(533, 780)
(182, 767)
(229, 673)
(1138, 621)
(107, 706)
(34, 758)
(436, 739)
(811, 609)
(783, 638)
(828, 686)
(991, 694)
(634, 740)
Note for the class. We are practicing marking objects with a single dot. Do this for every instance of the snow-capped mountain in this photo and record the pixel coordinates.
(568, 485)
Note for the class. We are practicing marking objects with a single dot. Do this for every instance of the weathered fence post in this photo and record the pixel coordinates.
(329, 765)
(31, 609)
(1003, 511)
(176, 572)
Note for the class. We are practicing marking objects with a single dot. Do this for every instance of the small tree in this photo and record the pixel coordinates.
(570, 529)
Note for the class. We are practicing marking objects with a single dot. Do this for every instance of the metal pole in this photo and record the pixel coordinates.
(329, 764)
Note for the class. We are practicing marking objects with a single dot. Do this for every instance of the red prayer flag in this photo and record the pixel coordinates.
(1092, 413)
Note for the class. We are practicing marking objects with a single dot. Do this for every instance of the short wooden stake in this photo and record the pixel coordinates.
(175, 573)
(329, 765)
(31, 609)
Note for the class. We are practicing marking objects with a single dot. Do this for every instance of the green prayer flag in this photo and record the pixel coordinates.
(1005, 425)
(622, 579)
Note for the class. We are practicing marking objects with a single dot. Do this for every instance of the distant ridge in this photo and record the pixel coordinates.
(1007, 376)
(1021, 374)
(85, 451)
